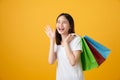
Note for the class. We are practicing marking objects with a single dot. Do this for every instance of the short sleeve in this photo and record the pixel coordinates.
(76, 43)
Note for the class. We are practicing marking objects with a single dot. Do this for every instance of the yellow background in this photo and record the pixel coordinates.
(24, 45)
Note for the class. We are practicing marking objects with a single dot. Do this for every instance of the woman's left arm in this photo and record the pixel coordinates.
(73, 56)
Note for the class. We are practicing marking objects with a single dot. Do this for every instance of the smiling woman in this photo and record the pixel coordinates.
(62, 25)
(66, 50)
(24, 46)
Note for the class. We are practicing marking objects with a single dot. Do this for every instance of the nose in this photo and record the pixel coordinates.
(60, 24)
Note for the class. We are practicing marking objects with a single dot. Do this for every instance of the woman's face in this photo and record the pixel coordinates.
(62, 25)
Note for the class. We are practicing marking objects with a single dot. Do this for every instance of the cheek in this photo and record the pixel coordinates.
(56, 25)
(67, 26)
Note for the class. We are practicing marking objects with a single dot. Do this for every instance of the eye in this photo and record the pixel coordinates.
(58, 21)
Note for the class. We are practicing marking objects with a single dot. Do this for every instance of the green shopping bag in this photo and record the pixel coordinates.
(87, 59)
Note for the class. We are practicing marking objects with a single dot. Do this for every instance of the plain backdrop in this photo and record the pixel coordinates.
(24, 46)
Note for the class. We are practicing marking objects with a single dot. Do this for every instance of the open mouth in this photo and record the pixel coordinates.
(61, 29)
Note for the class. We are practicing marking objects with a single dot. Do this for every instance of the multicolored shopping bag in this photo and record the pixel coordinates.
(99, 47)
(87, 58)
(93, 53)
(99, 58)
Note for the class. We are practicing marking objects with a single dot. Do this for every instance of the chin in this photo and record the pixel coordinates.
(62, 33)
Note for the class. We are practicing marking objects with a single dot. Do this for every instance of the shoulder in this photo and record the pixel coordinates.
(76, 39)
(76, 43)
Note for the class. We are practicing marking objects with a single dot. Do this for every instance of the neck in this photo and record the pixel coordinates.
(64, 36)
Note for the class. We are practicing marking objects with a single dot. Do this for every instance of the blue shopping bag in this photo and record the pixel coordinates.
(104, 51)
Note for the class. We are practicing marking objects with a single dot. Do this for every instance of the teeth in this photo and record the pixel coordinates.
(60, 29)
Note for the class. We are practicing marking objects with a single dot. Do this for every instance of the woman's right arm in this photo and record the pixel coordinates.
(52, 54)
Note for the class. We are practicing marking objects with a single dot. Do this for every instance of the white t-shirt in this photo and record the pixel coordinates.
(65, 71)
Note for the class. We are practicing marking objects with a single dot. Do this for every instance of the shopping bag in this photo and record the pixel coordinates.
(99, 47)
(94, 53)
(99, 58)
(87, 59)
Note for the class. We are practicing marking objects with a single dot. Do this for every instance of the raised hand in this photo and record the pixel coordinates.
(69, 38)
(50, 32)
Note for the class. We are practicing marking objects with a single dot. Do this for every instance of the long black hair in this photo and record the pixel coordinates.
(71, 30)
